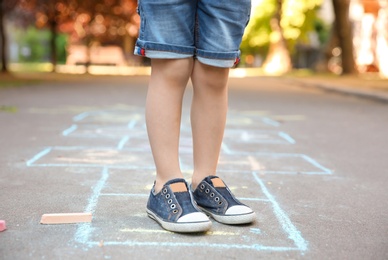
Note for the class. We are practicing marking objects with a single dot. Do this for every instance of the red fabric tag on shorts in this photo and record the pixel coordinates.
(142, 52)
(237, 61)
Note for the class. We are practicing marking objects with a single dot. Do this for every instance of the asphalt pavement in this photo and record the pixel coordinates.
(312, 163)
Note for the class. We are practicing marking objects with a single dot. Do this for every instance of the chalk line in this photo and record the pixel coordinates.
(316, 164)
(84, 230)
(69, 130)
(132, 124)
(225, 148)
(122, 142)
(150, 231)
(80, 116)
(293, 233)
(269, 121)
(38, 156)
(257, 247)
(287, 137)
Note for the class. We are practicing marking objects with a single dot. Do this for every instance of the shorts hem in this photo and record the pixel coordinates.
(217, 62)
(232, 55)
(219, 59)
(144, 47)
(154, 50)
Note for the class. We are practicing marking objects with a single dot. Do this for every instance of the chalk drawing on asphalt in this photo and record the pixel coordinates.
(131, 153)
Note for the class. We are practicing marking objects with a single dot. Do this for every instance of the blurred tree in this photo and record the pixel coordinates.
(257, 34)
(343, 31)
(278, 60)
(104, 22)
(275, 28)
(86, 21)
(49, 13)
(5, 7)
(31, 44)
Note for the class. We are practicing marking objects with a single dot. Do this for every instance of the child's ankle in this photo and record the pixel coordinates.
(157, 187)
(159, 183)
(196, 181)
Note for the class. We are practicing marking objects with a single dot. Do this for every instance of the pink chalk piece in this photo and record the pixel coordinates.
(2, 225)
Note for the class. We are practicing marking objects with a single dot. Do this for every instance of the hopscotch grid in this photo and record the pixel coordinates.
(97, 113)
(84, 231)
(293, 233)
(95, 136)
(256, 247)
(71, 130)
(93, 166)
(269, 141)
(123, 141)
(183, 169)
(277, 138)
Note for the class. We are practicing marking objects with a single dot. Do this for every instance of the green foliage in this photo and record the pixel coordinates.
(298, 19)
(323, 30)
(34, 45)
(61, 43)
(257, 34)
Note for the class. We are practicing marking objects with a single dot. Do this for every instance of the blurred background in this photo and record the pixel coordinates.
(97, 36)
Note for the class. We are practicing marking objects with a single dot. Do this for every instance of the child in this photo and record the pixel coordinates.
(197, 40)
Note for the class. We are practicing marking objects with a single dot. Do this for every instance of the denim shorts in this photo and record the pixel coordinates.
(209, 30)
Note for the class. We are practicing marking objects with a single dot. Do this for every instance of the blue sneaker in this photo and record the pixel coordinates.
(215, 199)
(173, 208)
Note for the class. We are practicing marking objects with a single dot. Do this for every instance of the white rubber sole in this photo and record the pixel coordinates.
(232, 219)
(181, 227)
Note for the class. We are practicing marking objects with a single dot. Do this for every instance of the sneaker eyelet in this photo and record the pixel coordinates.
(211, 195)
(175, 211)
(169, 201)
(220, 202)
(168, 196)
(217, 199)
(202, 186)
(165, 191)
(207, 190)
(173, 206)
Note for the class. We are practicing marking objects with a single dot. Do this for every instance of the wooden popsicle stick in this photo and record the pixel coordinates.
(66, 218)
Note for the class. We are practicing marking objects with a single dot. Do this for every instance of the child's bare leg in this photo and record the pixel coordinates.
(163, 114)
(208, 117)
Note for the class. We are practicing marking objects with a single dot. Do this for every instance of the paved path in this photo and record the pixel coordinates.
(364, 85)
(311, 163)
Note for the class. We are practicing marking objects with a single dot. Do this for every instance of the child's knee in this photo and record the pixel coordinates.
(173, 69)
(210, 77)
